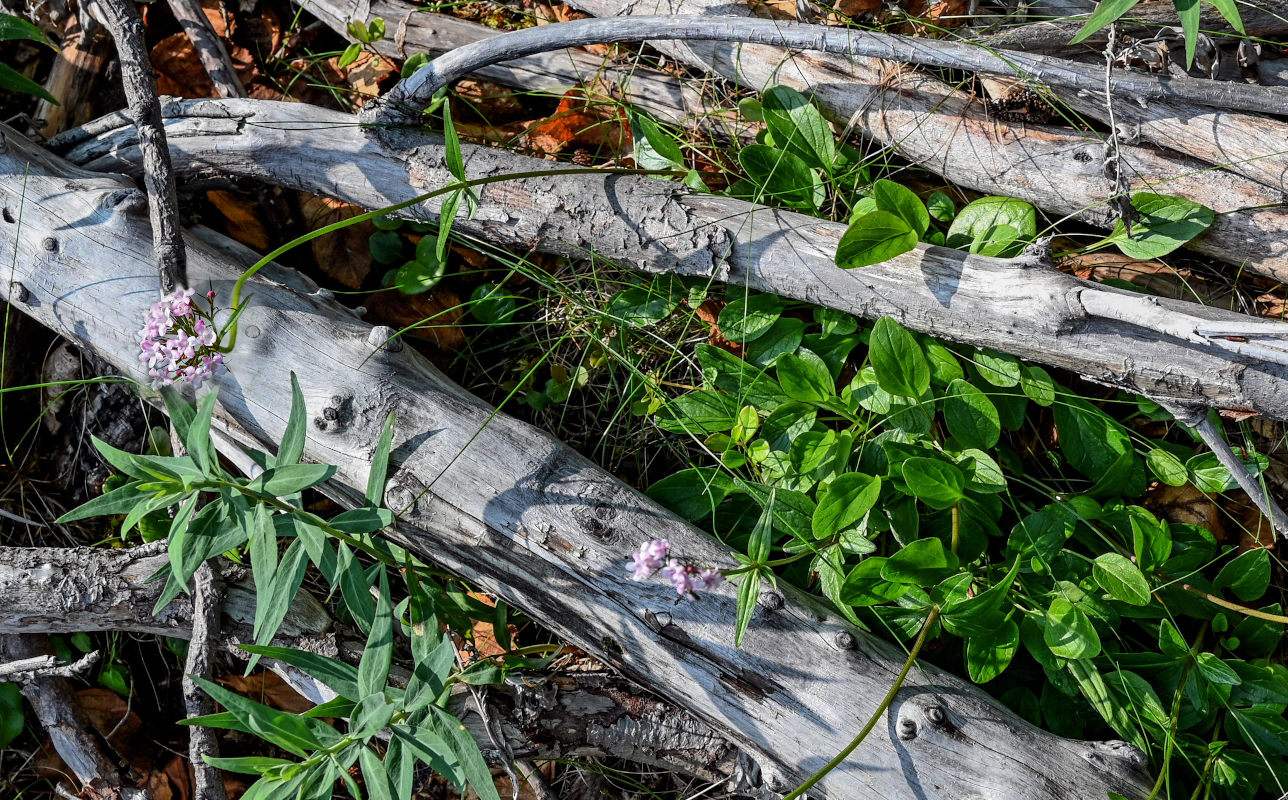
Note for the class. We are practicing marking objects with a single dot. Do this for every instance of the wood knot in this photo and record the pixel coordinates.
(19, 293)
(49, 244)
(907, 729)
(383, 337)
(845, 640)
(771, 600)
(936, 716)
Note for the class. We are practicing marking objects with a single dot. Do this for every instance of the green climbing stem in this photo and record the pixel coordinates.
(876, 715)
(455, 186)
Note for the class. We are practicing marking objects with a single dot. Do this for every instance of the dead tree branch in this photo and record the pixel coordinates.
(210, 48)
(525, 517)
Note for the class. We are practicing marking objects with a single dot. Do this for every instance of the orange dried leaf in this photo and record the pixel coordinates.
(179, 69)
(434, 314)
(241, 218)
(268, 688)
(343, 255)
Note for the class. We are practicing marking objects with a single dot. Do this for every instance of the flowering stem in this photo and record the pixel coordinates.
(876, 715)
(457, 185)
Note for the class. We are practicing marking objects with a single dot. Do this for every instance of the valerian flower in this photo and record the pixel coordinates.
(686, 578)
(178, 340)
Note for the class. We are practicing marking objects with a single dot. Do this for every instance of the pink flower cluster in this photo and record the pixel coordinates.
(687, 578)
(178, 340)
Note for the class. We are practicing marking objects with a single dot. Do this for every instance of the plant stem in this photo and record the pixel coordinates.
(456, 185)
(876, 715)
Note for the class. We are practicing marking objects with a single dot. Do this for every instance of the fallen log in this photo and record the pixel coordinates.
(1023, 307)
(926, 121)
(523, 516)
(1252, 146)
(48, 590)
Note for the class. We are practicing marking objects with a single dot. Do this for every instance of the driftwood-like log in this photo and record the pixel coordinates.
(77, 68)
(520, 514)
(1020, 307)
(414, 30)
(926, 121)
(1252, 146)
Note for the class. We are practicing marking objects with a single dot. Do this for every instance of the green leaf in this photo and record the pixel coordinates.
(692, 493)
(362, 520)
(921, 563)
(379, 472)
(780, 175)
(12, 28)
(490, 305)
(336, 675)
(971, 417)
(701, 412)
(12, 717)
(385, 246)
(1216, 670)
(1093, 687)
(349, 55)
(653, 148)
(1166, 467)
(1037, 385)
(271, 608)
(452, 146)
(843, 502)
(998, 369)
(744, 383)
(936, 483)
(805, 377)
(373, 670)
(1230, 11)
(897, 360)
(374, 776)
(466, 750)
(421, 274)
(639, 307)
(287, 480)
(988, 654)
(1188, 10)
(745, 320)
(293, 438)
(783, 336)
(1121, 579)
(865, 586)
(798, 127)
(14, 81)
(1091, 441)
(1247, 576)
(118, 501)
(1151, 540)
(294, 734)
(873, 238)
(246, 765)
(1105, 13)
(748, 595)
(944, 366)
(941, 207)
(1068, 633)
(1164, 223)
(998, 226)
(903, 203)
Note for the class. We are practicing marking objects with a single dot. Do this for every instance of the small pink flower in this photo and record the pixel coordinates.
(686, 578)
(177, 340)
(650, 558)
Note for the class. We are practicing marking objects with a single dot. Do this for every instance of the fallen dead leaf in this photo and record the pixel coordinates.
(268, 688)
(1154, 277)
(241, 218)
(853, 8)
(179, 69)
(217, 15)
(579, 122)
(709, 312)
(441, 307)
(343, 255)
(492, 101)
(362, 76)
(1186, 505)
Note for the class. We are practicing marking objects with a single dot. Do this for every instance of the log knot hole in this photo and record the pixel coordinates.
(771, 600)
(845, 640)
(384, 338)
(907, 729)
(338, 414)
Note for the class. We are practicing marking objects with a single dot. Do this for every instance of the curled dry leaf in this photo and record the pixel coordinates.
(241, 218)
(709, 312)
(268, 688)
(179, 69)
(1152, 276)
(363, 76)
(343, 255)
(434, 314)
(581, 121)
(1186, 504)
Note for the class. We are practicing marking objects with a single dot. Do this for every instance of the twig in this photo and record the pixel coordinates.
(210, 48)
(207, 603)
(1120, 200)
(122, 19)
(46, 666)
(1196, 418)
(406, 100)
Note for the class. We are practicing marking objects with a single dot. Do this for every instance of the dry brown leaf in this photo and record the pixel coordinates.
(241, 218)
(853, 8)
(709, 312)
(441, 307)
(268, 688)
(1187, 505)
(492, 101)
(949, 13)
(179, 69)
(578, 122)
(1152, 276)
(217, 15)
(343, 255)
(363, 76)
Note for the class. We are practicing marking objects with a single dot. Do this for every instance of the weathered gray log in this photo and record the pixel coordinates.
(519, 513)
(413, 30)
(1252, 146)
(581, 715)
(654, 226)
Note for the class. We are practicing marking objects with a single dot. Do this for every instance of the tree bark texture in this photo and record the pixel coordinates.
(520, 514)
(1017, 306)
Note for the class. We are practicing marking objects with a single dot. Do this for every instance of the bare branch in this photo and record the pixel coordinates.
(122, 19)
(46, 666)
(210, 48)
(207, 602)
